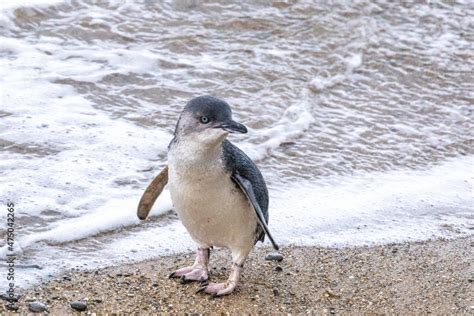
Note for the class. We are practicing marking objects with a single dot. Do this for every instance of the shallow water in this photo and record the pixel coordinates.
(360, 118)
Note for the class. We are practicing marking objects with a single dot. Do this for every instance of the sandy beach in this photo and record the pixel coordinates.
(420, 277)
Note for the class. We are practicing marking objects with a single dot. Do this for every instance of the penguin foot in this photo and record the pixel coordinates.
(190, 274)
(221, 289)
(196, 272)
(218, 289)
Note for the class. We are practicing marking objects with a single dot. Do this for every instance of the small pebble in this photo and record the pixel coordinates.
(274, 256)
(79, 306)
(278, 269)
(12, 307)
(7, 297)
(276, 292)
(37, 307)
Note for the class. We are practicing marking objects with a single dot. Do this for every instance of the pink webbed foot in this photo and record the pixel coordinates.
(196, 272)
(190, 274)
(218, 289)
(221, 289)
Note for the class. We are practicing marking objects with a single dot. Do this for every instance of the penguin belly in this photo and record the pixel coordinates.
(212, 208)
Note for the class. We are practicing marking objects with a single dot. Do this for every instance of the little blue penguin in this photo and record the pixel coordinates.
(218, 192)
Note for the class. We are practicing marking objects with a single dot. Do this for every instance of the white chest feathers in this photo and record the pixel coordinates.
(212, 208)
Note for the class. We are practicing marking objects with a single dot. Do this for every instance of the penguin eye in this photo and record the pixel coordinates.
(204, 119)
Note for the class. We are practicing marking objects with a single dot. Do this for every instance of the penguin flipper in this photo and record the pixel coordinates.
(151, 193)
(246, 187)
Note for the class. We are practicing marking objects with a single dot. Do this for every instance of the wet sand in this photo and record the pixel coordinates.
(432, 276)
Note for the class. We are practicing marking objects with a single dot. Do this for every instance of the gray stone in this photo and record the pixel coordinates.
(37, 307)
(274, 256)
(7, 297)
(12, 306)
(79, 306)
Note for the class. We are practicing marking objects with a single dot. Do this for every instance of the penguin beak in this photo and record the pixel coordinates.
(233, 127)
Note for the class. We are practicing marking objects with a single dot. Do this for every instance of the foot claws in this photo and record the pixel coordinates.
(202, 288)
(190, 274)
(184, 280)
(216, 289)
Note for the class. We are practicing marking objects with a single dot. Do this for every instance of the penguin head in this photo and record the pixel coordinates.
(207, 119)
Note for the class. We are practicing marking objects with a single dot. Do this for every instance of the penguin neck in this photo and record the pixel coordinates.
(191, 152)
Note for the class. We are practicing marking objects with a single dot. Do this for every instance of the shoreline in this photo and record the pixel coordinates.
(428, 276)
